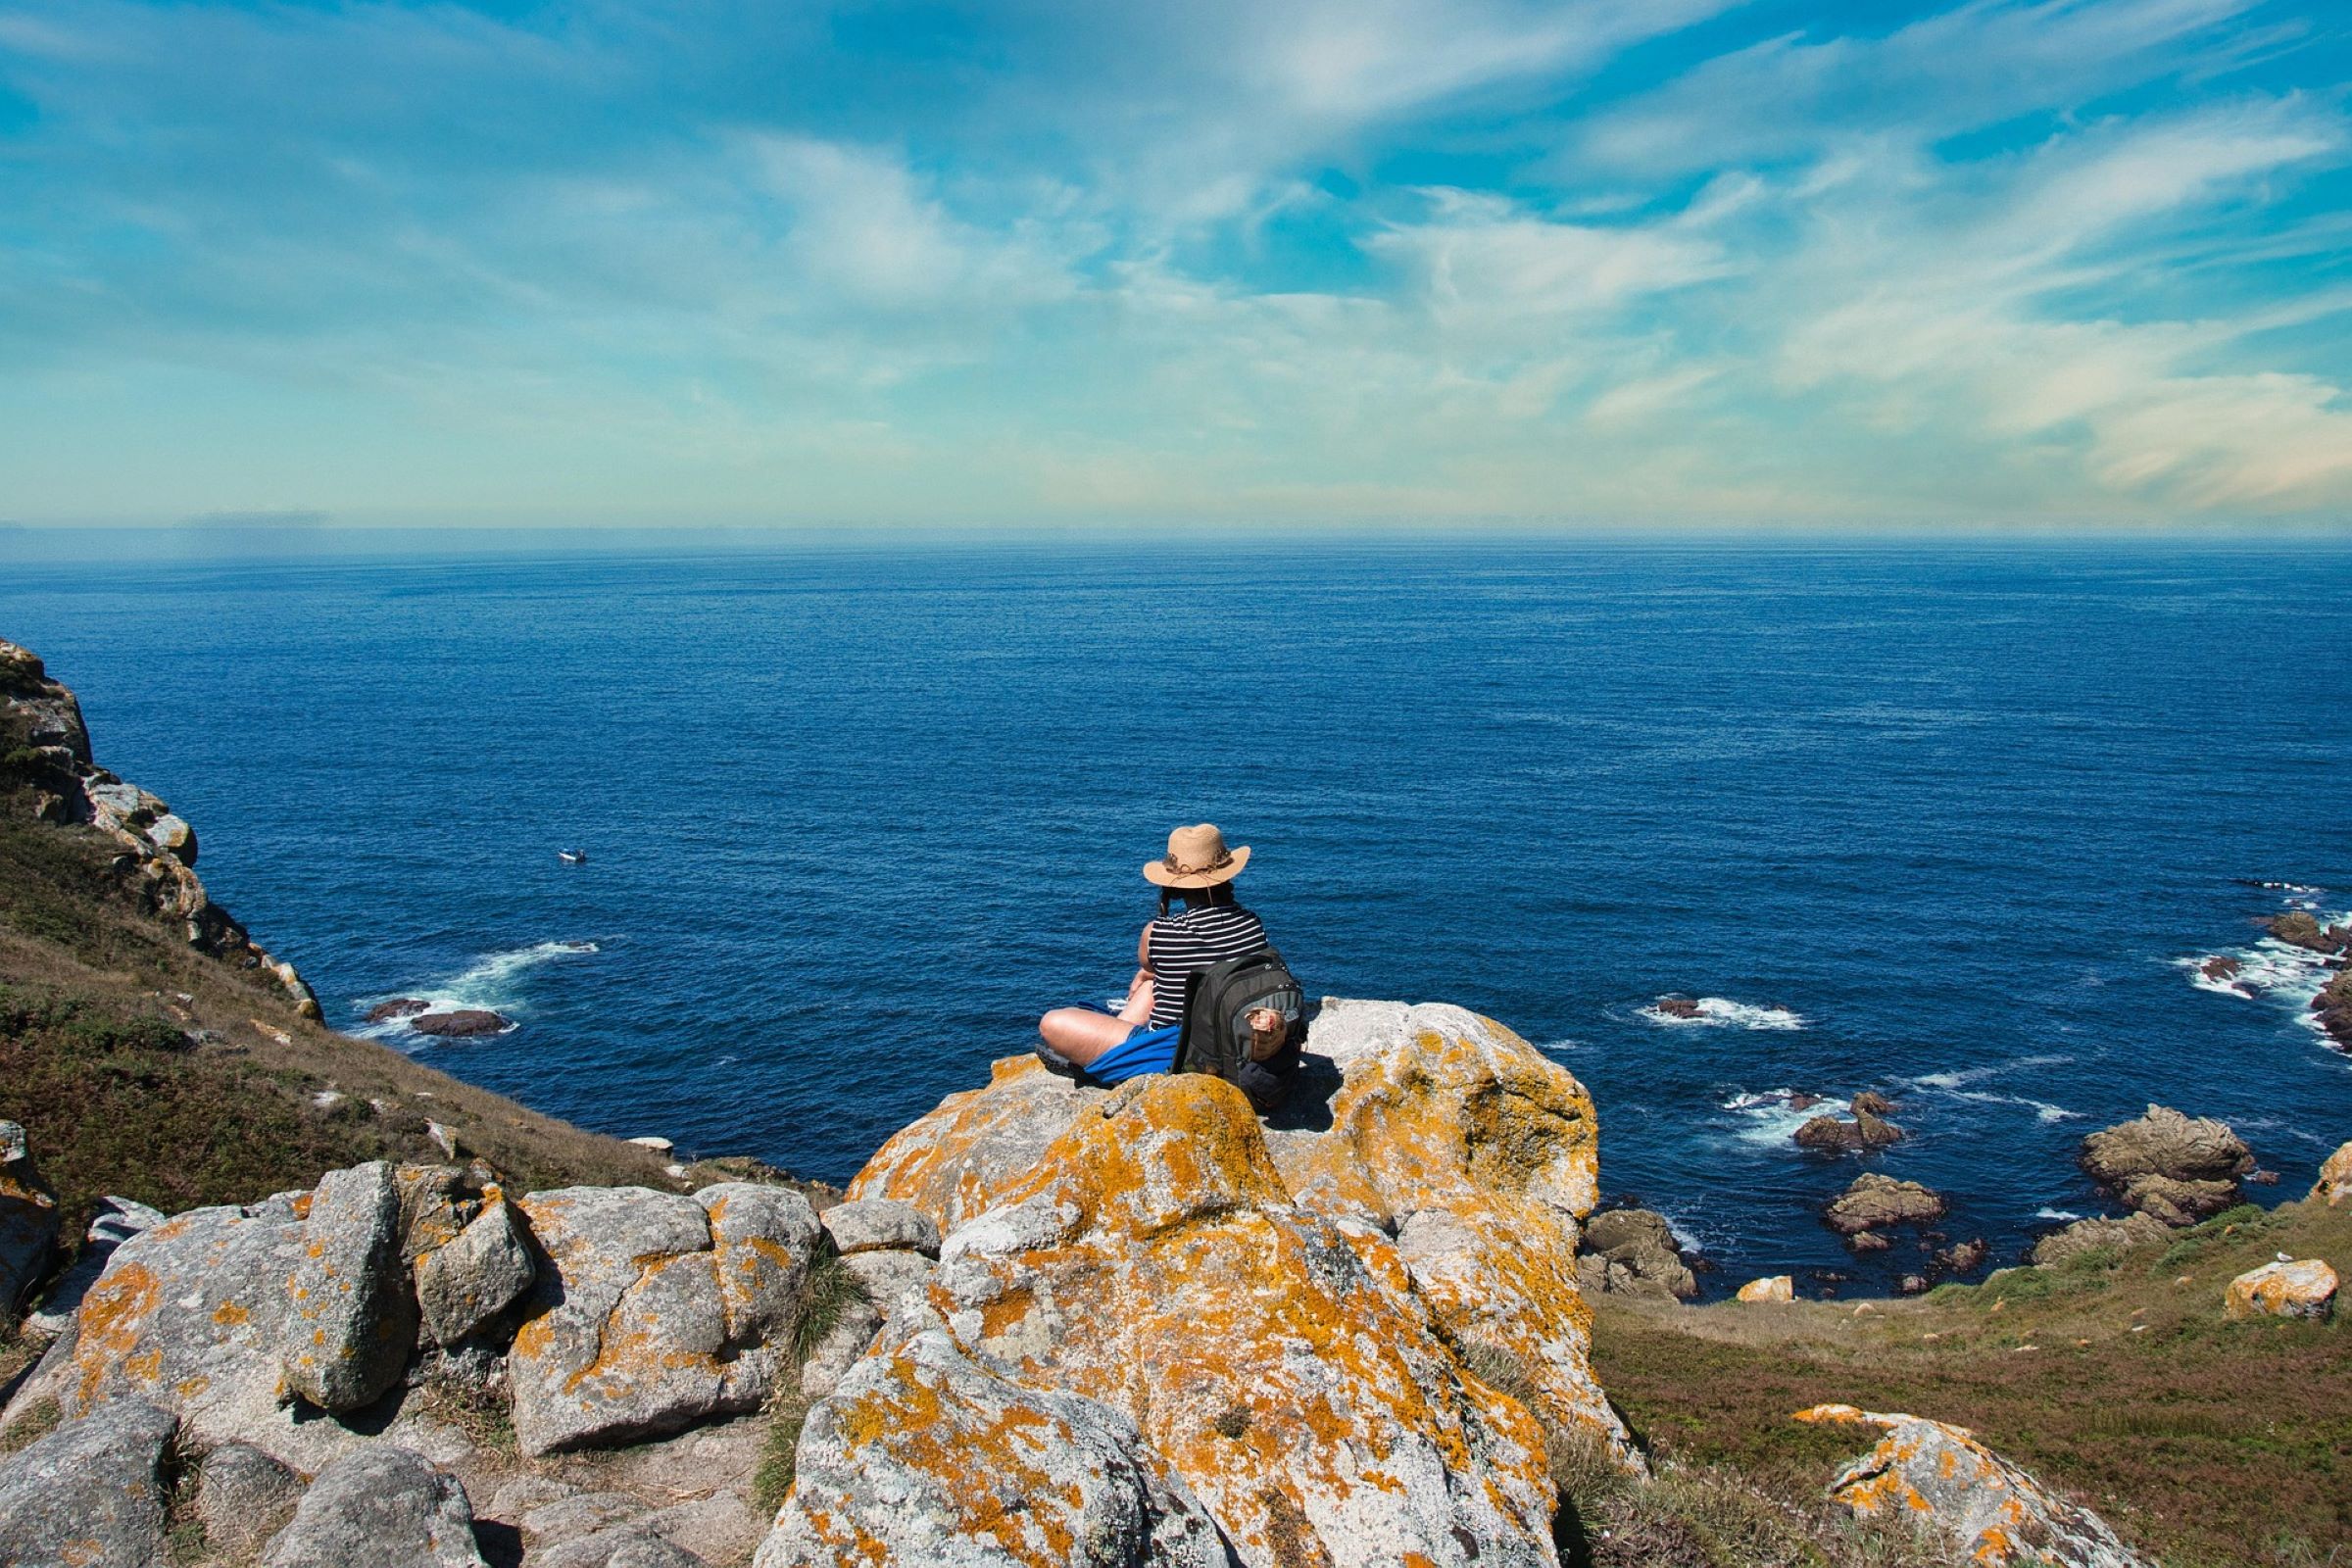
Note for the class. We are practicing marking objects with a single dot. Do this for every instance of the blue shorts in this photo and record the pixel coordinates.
(1145, 1050)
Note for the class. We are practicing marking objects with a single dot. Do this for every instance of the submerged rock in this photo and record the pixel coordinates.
(1876, 1201)
(463, 1023)
(89, 1495)
(1994, 1513)
(2299, 1288)
(916, 1457)
(379, 1507)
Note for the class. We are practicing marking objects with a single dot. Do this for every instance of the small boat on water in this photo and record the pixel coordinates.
(572, 856)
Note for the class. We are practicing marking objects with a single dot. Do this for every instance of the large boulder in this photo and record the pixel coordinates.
(1638, 1254)
(877, 1224)
(1994, 1513)
(188, 1315)
(651, 1311)
(2298, 928)
(1480, 1156)
(350, 1319)
(959, 1159)
(2098, 1236)
(923, 1455)
(2290, 1287)
(1876, 1202)
(2335, 1186)
(1283, 1362)
(2175, 1169)
(470, 1279)
(89, 1495)
(1832, 1135)
(380, 1507)
(27, 1220)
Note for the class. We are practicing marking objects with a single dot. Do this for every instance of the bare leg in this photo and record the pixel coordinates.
(1081, 1034)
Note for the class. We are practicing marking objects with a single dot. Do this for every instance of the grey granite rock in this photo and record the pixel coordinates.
(879, 1224)
(89, 1495)
(483, 1271)
(350, 1319)
(379, 1507)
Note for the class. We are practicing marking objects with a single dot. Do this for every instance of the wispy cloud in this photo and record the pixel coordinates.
(1431, 257)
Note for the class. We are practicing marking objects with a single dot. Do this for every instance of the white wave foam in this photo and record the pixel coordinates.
(1719, 1012)
(1770, 1118)
(485, 984)
(2043, 1110)
(1951, 1081)
(2271, 970)
(2045, 1212)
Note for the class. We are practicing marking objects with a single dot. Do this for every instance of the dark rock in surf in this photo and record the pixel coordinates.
(1867, 1131)
(1640, 1254)
(2173, 1167)
(2298, 929)
(1678, 1007)
(1870, 1102)
(1963, 1257)
(397, 1007)
(1876, 1202)
(1803, 1102)
(463, 1023)
(2219, 970)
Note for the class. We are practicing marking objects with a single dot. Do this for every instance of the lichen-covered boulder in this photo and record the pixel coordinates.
(651, 1311)
(961, 1159)
(1995, 1514)
(89, 1495)
(2099, 1234)
(2335, 1186)
(925, 1457)
(474, 1277)
(2297, 1288)
(1283, 1362)
(114, 1221)
(379, 1506)
(27, 1219)
(188, 1315)
(879, 1224)
(1771, 1288)
(1482, 1157)
(350, 1319)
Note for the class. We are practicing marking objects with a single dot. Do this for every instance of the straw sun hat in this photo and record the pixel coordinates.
(1196, 858)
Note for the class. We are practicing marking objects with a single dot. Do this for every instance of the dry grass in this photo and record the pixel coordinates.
(2214, 1444)
(143, 1068)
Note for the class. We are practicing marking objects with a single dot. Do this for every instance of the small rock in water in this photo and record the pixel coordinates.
(1679, 1008)
(1870, 1102)
(1878, 1202)
(397, 1007)
(462, 1023)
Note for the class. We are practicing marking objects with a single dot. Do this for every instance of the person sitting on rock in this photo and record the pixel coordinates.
(1140, 1037)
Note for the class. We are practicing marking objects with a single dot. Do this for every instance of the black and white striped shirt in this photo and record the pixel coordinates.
(1194, 940)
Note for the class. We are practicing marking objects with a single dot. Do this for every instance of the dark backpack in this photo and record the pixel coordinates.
(1215, 1040)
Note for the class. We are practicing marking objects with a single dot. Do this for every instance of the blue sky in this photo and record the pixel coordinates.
(1671, 262)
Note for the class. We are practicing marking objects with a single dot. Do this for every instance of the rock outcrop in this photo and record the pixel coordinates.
(351, 1319)
(2172, 1167)
(114, 1221)
(657, 1311)
(461, 1023)
(925, 1457)
(2298, 928)
(2333, 1006)
(2302, 1288)
(89, 1495)
(1994, 1513)
(2098, 1236)
(380, 1507)
(1876, 1202)
(27, 1220)
(159, 858)
(1868, 1130)
(2335, 1186)
(1632, 1251)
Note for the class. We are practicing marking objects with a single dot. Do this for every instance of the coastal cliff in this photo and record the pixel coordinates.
(290, 1298)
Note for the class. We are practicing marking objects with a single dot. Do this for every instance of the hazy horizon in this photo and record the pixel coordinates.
(1393, 264)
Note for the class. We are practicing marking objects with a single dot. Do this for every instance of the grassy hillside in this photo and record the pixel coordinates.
(2209, 1444)
(141, 1067)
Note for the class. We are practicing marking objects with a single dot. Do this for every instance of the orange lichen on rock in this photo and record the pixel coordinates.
(959, 1159)
(1264, 1349)
(1993, 1511)
(2290, 1288)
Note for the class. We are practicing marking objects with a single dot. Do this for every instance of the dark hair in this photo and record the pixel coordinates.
(1196, 898)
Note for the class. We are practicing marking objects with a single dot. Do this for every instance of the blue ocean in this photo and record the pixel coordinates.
(1954, 823)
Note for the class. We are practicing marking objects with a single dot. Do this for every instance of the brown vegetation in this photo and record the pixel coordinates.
(2113, 1374)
